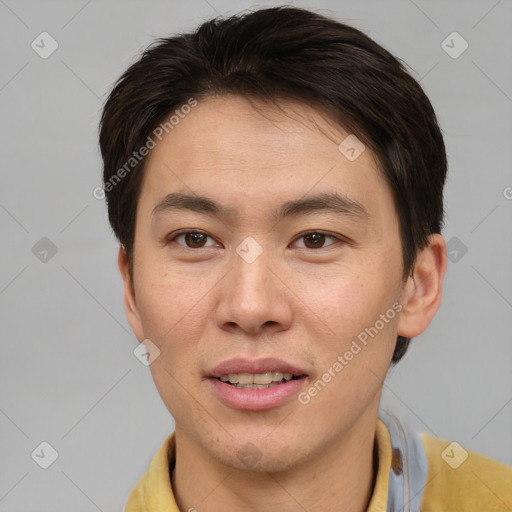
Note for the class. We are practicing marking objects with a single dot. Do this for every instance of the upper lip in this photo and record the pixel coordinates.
(241, 365)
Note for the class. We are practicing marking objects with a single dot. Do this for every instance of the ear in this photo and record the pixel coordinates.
(423, 290)
(130, 302)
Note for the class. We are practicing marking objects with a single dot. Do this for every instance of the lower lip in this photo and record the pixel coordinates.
(256, 399)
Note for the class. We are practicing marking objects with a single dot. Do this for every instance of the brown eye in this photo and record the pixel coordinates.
(195, 240)
(192, 239)
(316, 240)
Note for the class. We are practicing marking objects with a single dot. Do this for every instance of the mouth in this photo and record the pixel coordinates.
(256, 385)
(264, 380)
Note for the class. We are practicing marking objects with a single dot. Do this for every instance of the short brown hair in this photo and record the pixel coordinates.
(283, 53)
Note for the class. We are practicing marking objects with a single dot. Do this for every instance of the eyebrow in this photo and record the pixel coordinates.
(323, 202)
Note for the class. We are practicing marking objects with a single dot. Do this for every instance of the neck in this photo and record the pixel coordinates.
(340, 477)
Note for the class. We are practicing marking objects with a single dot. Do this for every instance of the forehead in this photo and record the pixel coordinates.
(250, 154)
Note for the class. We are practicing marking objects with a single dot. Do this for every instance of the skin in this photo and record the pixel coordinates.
(300, 302)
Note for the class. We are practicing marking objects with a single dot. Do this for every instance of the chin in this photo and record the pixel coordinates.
(261, 456)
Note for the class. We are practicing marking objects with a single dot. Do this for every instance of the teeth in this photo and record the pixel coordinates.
(277, 376)
(256, 386)
(262, 378)
(244, 378)
(256, 380)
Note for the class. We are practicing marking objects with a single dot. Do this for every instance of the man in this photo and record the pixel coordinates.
(276, 184)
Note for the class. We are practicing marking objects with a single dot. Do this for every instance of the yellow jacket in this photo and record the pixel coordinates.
(415, 473)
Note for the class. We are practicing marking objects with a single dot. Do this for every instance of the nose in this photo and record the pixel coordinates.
(253, 298)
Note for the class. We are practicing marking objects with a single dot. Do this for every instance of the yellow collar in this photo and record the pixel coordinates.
(154, 490)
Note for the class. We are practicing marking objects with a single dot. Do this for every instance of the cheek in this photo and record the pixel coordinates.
(351, 303)
(351, 364)
(174, 307)
(167, 297)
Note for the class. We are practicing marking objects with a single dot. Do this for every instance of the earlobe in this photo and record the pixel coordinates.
(423, 290)
(129, 298)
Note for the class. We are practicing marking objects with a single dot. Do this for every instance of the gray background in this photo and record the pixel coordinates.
(68, 374)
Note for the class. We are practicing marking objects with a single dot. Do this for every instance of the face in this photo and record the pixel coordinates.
(262, 252)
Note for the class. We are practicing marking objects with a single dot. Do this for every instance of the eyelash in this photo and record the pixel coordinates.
(174, 236)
